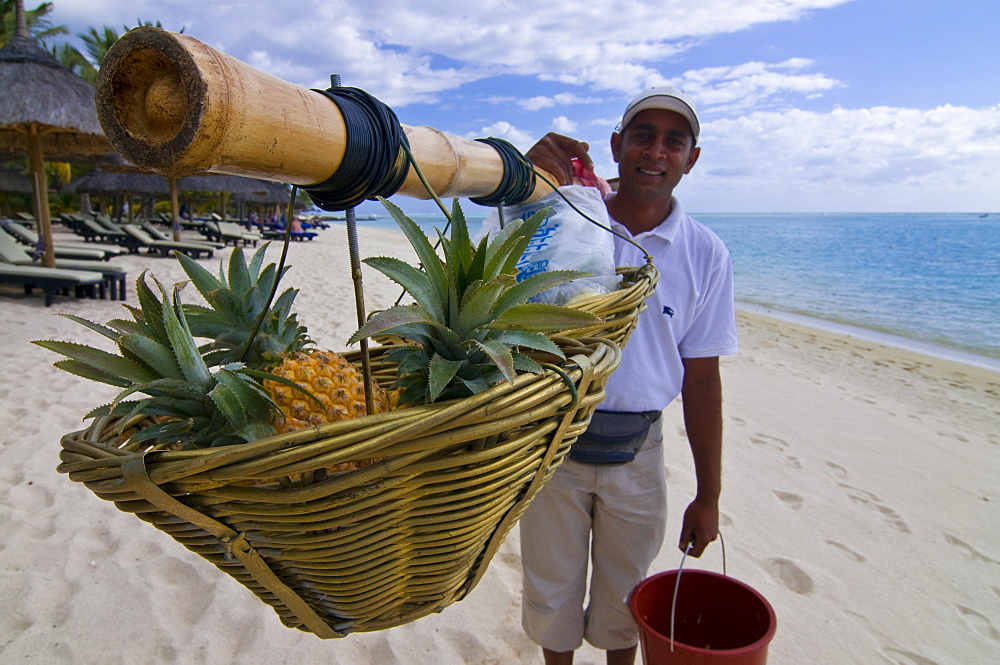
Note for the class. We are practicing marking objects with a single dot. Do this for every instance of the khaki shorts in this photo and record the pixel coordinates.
(625, 506)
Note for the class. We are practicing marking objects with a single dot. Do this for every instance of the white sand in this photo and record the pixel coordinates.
(860, 498)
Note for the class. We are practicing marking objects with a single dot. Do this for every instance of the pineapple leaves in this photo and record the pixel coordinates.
(476, 307)
(188, 356)
(158, 357)
(102, 362)
(425, 251)
(415, 282)
(471, 316)
(107, 331)
(386, 320)
(239, 398)
(500, 355)
(203, 280)
(541, 317)
(531, 340)
(440, 374)
(88, 372)
(534, 285)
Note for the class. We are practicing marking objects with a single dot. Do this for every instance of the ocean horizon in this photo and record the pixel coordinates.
(929, 282)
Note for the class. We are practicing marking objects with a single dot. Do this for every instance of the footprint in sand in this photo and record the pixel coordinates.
(172, 581)
(794, 501)
(978, 622)
(29, 497)
(767, 440)
(789, 574)
(892, 518)
(846, 550)
(911, 658)
(953, 435)
(838, 471)
(968, 550)
(10, 477)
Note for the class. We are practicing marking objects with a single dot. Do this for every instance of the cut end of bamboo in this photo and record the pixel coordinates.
(150, 99)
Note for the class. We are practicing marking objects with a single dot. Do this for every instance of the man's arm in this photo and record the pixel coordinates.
(554, 153)
(701, 395)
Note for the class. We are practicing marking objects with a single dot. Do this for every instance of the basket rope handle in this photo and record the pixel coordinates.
(235, 543)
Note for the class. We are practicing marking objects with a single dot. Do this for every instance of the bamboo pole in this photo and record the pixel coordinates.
(171, 104)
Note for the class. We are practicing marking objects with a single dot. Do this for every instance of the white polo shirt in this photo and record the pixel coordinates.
(691, 314)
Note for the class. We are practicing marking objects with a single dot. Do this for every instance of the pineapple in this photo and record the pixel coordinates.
(327, 388)
(190, 404)
(245, 383)
(470, 322)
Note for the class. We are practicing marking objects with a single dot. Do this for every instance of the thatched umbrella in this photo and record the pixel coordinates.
(100, 181)
(45, 109)
(223, 184)
(274, 192)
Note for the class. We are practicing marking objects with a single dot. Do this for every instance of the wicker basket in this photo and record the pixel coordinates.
(620, 309)
(377, 547)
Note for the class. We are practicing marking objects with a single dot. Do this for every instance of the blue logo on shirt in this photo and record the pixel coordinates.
(668, 311)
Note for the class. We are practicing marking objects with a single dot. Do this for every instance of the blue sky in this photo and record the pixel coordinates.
(806, 105)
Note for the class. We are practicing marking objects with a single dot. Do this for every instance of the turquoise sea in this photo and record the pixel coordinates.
(926, 281)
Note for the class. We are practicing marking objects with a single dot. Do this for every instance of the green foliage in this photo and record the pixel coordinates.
(197, 406)
(470, 318)
(37, 20)
(236, 300)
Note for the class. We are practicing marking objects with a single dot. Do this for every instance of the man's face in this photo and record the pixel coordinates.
(653, 153)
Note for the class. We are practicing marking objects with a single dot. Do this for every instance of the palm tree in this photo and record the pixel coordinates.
(37, 19)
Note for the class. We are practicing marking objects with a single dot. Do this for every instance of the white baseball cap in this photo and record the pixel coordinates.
(665, 97)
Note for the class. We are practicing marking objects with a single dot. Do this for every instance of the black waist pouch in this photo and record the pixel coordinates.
(613, 437)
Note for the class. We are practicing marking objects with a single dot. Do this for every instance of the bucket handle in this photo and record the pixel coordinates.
(677, 583)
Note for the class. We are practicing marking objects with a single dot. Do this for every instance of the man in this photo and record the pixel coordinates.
(613, 516)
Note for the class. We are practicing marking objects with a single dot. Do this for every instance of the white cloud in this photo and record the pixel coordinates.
(560, 99)
(522, 140)
(748, 86)
(848, 159)
(405, 51)
(563, 125)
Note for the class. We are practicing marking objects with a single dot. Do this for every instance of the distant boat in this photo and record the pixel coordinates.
(985, 214)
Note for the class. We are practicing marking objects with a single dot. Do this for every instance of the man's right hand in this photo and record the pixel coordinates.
(554, 153)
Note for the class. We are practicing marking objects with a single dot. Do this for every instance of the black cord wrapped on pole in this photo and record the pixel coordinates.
(518, 181)
(374, 163)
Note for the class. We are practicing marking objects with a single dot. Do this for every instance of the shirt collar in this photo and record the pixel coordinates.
(667, 229)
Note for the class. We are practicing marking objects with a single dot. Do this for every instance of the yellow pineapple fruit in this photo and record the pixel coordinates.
(332, 388)
(336, 383)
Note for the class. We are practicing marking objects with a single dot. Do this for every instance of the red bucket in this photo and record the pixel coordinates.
(717, 620)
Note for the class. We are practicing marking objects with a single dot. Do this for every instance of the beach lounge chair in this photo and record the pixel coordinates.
(51, 281)
(65, 250)
(234, 233)
(158, 234)
(277, 234)
(27, 218)
(164, 247)
(114, 277)
(91, 231)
